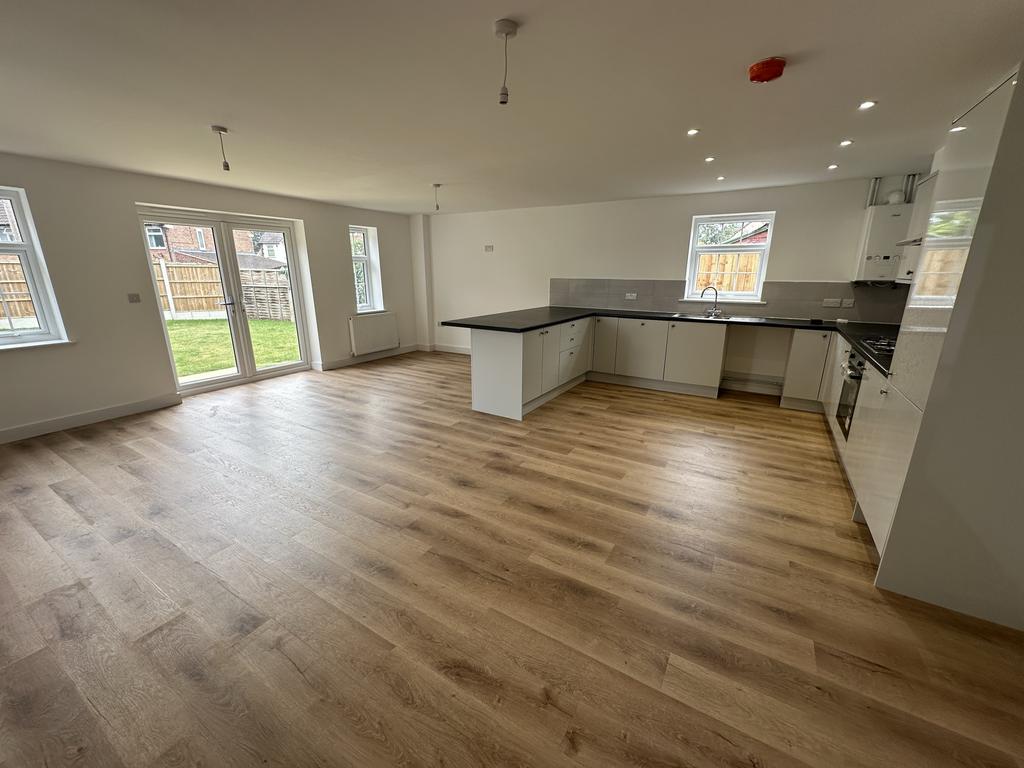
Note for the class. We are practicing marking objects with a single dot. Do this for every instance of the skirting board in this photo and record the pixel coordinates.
(449, 348)
(760, 385)
(661, 386)
(331, 365)
(36, 428)
(800, 404)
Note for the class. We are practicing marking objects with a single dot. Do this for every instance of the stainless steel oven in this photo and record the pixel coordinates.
(853, 373)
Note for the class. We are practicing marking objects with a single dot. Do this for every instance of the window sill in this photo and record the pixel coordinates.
(370, 311)
(722, 301)
(31, 344)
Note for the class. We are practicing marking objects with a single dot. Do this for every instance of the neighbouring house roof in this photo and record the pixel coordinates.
(245, 260)
(759, 235)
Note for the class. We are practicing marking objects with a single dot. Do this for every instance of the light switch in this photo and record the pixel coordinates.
(848, 303)
(488, 249)
(134, 298)
(631, 296)
(831, 303)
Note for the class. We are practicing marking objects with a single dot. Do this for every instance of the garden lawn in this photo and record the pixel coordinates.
(201, 346)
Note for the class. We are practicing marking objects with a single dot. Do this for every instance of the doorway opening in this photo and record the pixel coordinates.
(226, 291)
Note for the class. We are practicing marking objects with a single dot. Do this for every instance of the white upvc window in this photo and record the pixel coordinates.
(730, 253)
(366, 269)
(944, 252)
(201, 238)
(155, 237)
(28, 307)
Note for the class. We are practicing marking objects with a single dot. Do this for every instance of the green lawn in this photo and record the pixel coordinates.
(200, 346)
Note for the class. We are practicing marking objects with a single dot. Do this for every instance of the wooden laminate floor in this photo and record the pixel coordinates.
(354, 569)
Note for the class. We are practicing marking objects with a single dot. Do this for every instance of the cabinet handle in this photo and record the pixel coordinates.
(673, 325)
(883, 391)
(824, 335)
(643, 323)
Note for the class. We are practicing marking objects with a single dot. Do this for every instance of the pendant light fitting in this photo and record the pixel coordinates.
(220, 130)
(505, 28)
(437, 205)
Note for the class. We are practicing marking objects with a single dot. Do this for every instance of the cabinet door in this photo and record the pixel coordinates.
(694, 353)
(551, 342)
(606, 330)
(640, 348)
(571, 363)
(533, 365)
(807, 354)
(862, 439)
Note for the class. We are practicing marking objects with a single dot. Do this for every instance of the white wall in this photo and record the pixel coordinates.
(957, 538)
(88, 227)
(817, 232)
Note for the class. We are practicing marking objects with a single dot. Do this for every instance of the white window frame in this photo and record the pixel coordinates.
(40, 289)
(695, 251)
(150, 234)
(933, 243)
(201, 238)
(371, 261)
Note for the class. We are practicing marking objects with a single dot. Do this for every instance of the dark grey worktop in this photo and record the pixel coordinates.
(523, 320)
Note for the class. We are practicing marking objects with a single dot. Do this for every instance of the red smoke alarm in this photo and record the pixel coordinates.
(766, 70)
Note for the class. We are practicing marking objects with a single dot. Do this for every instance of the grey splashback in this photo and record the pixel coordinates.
(781, 298)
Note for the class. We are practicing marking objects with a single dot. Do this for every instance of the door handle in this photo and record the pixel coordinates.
(227, 303)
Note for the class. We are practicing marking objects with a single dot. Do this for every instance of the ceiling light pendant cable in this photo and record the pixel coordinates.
(505, 28)
(437, 205)
(220, 130)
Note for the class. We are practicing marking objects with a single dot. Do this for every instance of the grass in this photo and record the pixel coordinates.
(201, 346)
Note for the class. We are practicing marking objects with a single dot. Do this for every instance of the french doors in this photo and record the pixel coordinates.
(226, 292)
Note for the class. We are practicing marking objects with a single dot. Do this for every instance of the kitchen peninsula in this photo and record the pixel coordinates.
(522, 359)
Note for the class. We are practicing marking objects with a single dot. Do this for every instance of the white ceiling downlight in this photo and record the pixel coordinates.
(832, 166)
(958, 128)
(709, 159)
(866, 105)
(845, 142)
(693, 132)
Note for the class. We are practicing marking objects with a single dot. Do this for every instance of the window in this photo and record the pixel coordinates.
(944, 253)
(155, 236)
(366, 269)
(729, 253)
(201, 238)
(28, 309)
(270, 250)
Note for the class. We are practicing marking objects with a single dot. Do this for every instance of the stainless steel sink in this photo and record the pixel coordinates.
(692, 316)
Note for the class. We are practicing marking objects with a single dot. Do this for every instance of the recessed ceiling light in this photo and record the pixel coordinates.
(958, 128)
(1013, 83)
(709, 159)
(866, 105)
(693, 132)
(833, 167)
(845, 142)
(720, 178)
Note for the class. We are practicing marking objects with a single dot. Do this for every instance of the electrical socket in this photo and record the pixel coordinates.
(488, 249)
(835, 303)
(631, 296)
(134, 298)
(847, 303)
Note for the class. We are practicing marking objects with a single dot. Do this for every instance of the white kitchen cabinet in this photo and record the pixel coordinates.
(640, 348)
(606, 331)
(551, 349)
(882, 438)
(575, 333)
(533, 365)
(694, 353)
(924, 194)
(572, 363)
(808, 352)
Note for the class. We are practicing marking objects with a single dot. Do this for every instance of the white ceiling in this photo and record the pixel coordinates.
(367, 103)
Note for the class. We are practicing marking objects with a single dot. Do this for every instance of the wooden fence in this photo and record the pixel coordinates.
(195, 290)
(17, 301)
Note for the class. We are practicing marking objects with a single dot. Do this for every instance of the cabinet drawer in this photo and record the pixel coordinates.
(574, 333)
(571, 363)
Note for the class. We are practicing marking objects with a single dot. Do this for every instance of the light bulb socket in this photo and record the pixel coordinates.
(503, 95)
(226, 165)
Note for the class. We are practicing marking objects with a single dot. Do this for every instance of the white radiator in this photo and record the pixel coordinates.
(373, 333)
